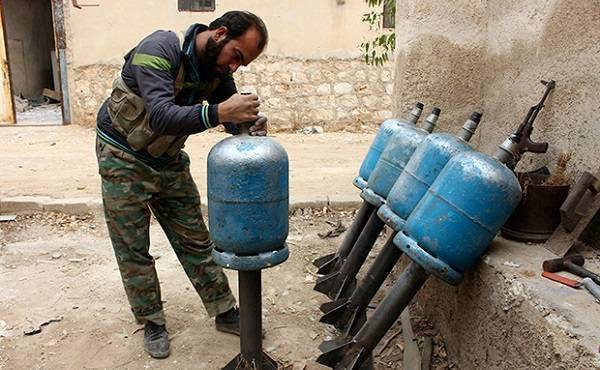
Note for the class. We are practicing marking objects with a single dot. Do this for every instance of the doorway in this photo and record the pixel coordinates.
(33, 63)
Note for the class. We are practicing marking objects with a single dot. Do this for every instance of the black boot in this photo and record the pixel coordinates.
(229, 321)
(156, 340)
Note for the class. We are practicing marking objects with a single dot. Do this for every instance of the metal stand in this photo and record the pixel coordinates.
(350, 353)
(251, 356)
(348, 314)
(333, 262)
(340, 284)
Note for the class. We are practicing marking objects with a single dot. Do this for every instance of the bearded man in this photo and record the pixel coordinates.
(171, 87)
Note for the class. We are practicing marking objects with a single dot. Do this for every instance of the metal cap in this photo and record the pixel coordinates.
(469, 128)
(430, 122)
(415, 113)
(507, 152)
(475, 117)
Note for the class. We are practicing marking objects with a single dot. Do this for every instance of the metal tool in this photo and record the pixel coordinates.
(561, 279)
(592, 287)
(572, 264)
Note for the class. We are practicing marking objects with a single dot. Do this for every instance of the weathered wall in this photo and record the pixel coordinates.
(30, 40)
(310, 73)
(299, 29)
(490, 55)
(336, 94)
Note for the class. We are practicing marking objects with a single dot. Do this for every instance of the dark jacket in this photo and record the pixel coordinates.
(150, 70)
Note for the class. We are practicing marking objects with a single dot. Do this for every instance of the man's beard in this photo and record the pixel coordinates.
(208, 61)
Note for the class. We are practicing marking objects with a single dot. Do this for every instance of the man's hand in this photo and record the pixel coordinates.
(259, 128)
(239, 108)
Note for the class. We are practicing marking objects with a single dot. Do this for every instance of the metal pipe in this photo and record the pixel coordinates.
(251, 356)
(353, 353)
(368, 287)
(388, 311)
(250, 315)
(348, 315)
(333, 262)
(340, 284)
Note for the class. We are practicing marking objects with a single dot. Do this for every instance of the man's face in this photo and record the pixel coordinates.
(229, 54)
(211, 53)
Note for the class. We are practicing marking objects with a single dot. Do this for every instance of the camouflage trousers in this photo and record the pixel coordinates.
(132, 189)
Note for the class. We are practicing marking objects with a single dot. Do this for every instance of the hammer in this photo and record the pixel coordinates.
(571, 264)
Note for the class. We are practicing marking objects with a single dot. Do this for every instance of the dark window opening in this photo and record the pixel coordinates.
(196, 5)
(389, 18)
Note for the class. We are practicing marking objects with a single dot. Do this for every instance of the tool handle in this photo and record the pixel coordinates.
(559, 264)
(592, 287)
(580, 271)
(586, 182)
(561, 279)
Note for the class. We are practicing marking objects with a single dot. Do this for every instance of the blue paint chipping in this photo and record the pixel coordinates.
(248, 202)
(459, 215)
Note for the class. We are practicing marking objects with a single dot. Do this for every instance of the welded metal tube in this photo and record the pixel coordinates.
(368, 287)
(357, 257)
(251, 356)
(332, 262)
(250, 316)
(388, 311)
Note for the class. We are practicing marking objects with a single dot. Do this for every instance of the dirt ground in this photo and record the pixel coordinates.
(59, 277)
(60, 162)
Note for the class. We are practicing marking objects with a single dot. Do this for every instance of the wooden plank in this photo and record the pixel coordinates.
(7, 110)
(561, 240)
(427, 353)
(412, 358)
(54, 95)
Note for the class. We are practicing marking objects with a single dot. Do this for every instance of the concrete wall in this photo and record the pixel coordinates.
(490, 56)
(30, 40)
(310, 73)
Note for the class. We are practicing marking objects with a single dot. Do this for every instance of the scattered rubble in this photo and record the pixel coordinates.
(312, 130)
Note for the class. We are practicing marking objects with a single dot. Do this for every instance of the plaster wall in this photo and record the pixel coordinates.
(30, 40)
(310, 74)
(490, 55)
(310, 29)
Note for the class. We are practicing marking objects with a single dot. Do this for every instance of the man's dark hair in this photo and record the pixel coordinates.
(238, 22)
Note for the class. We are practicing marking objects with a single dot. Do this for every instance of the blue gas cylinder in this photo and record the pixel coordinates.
(394, 158)
(248, 202)
(462, 211)
(386, 131)
(422, 169)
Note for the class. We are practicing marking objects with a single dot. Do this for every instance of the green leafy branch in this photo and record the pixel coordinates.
(378, 50)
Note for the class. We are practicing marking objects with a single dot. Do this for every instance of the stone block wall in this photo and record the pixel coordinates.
(336, 94)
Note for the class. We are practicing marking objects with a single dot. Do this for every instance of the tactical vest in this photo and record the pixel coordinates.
(129, 117)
